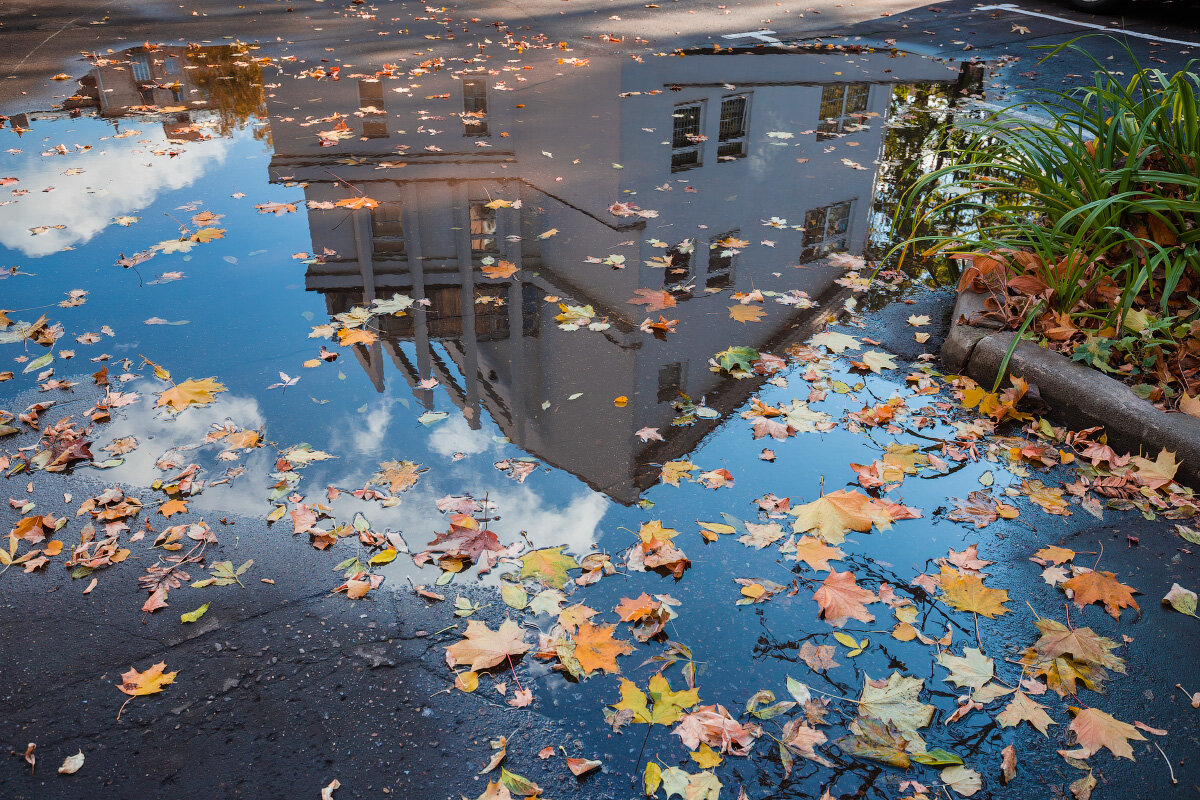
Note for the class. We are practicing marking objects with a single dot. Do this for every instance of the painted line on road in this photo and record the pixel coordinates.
(762, 36)
(1014, 8)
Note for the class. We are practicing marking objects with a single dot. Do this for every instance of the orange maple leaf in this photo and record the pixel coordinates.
(596, 649)
(173, 506)
(1095, 729)
(1101, 587)
(652, 299)
(841, 599)
(356, 202)
(501, 269)
(630, 609)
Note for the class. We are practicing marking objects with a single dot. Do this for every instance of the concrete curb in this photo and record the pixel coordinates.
(1082, 396)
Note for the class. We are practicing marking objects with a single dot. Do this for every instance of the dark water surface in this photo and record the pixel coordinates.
(404, 180)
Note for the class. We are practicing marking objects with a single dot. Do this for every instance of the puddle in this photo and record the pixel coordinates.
(498, 214)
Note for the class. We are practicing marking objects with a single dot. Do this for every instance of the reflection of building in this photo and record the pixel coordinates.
(716, 145)
(177, 81)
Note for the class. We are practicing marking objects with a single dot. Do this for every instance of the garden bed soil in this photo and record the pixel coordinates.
(1080, 396)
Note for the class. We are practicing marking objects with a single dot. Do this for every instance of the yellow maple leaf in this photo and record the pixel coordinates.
(668, 705)
(672, 471)
(833, 514)
(746, 313)
(967, 593)
(482, 647)
(191, 392)
(347, 336)
(1159, 472)
(208, 234)
(152, 681)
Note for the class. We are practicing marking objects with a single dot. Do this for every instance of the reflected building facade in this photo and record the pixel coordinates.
(706, 149)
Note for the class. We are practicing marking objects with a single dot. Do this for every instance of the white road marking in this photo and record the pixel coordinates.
(1014, 8)
(762, 36)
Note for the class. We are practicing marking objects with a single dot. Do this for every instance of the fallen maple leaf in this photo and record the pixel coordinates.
(818, 657)
(1095, 729)
(596, 649)
(397, 475)
(715, 727)
(1023, 708)
(966, 592)
(841, 599)
(191, 392)
(896, 700)
(138, 684)
(652, 299)
(501, 269)
(1100, 587)
(745, 313)
(668, 705)
(549, 565)
(816, 553)
(482, 648)
(833, 514)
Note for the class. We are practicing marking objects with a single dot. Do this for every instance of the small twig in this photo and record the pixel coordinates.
(978, 640)
(1169, 768)
(637, 766)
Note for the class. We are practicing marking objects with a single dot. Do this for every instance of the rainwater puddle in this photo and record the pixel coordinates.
(508, 279)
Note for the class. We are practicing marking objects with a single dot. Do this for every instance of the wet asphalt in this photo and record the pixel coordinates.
(288, 687)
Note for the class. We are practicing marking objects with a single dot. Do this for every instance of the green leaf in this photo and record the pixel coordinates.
(798, 690)
(514, 595)
(192, 616)
(1188, 534)
(38, 363)
(518, 784)
(1182, 600)
(936, 758)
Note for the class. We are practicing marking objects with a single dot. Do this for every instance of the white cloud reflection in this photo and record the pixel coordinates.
(120, 176)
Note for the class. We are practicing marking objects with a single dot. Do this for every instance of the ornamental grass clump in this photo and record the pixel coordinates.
(1084, 222)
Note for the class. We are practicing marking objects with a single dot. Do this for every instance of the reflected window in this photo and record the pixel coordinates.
(387, 230)
(670, 382)
(141, 68)
(825, 230)
(474, 114)
(680, 268)
(686, 137)
(838, 102)
(171, 65)
(732, 137)
(483, 228)
(370, 95)
(720, 262)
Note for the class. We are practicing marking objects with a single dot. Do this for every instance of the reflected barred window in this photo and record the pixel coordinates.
(720, 262)
(735, 115)
(840, 101)
(686, 137)
(475, 108)
(387, 230)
